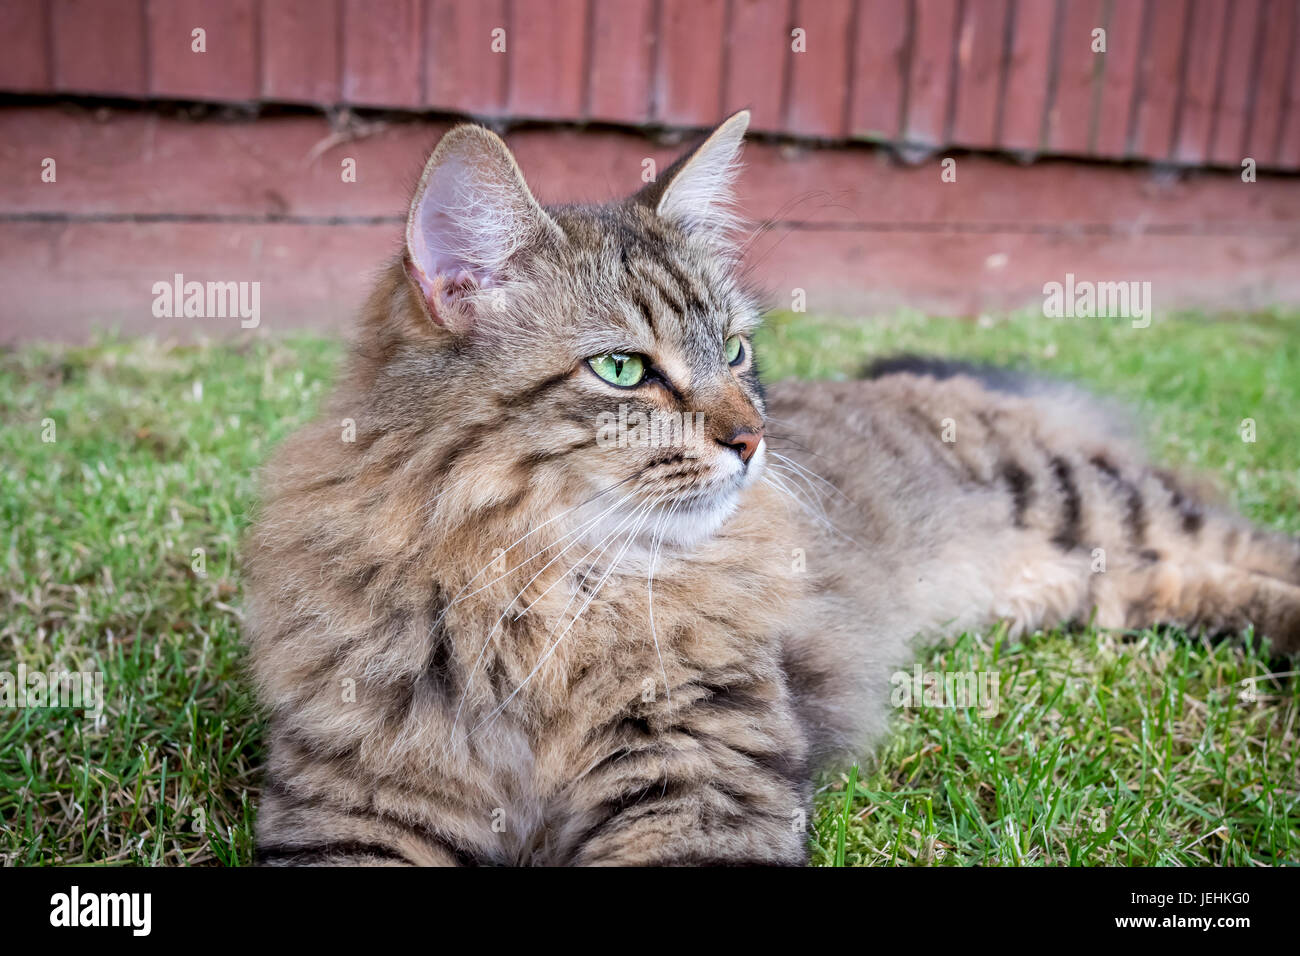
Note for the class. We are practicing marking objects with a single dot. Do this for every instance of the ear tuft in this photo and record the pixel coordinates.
(698, 190)
(471, 215)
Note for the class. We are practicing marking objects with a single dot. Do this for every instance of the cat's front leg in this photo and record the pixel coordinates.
(720, 780)
(320, 808)
(710, 826)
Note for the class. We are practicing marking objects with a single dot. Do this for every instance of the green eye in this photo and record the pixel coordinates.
(734, 350)
(622, 370)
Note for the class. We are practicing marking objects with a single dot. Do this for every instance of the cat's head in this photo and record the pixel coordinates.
(598, 354)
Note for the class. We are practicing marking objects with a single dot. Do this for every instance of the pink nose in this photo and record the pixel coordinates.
(745, 441)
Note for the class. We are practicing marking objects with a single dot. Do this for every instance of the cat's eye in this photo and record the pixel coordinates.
(618, 369)
(735, 350)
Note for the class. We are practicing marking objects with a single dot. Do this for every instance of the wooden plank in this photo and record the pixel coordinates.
(383, 52)
(1288, 150)
(881, 52)
(929, 77)
(1025, 96)
(758, 61)
(228, 68)
(1205, 44)
(1232, 105)
(300, 50)
(139, 162)
(94, 275)
(818, 104)
(25, 66)
(143, 163)
(548, 59)
(65, 281)
(901, 236)
(688, 75)
(980, 43)
(1078, 78)
(622, 54)
(83, 61)
(1266, 118)
(1118, 80)
(463, 74)
(1159, 78)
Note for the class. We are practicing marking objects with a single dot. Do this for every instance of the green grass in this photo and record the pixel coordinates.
(1108, 749)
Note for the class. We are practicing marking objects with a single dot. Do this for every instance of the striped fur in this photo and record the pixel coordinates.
(484, 638)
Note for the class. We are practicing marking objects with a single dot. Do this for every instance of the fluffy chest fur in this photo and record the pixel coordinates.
(508, 665)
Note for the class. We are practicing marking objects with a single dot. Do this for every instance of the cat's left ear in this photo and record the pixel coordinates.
(696, 192)
(471, 220)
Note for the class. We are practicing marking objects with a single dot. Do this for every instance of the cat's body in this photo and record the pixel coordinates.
(475, 650)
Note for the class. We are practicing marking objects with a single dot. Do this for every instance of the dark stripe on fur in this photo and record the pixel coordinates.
(509, 504)
(1190, 515)
(647, 313)
(1067, 536)
(631, 806)
(531, 394)
(668, 295)
(1021, 485)
(307, 855)
(993, 376)
(691, 294)
(778, 765)
(470, 440)
(1135, 517)
(462, 855)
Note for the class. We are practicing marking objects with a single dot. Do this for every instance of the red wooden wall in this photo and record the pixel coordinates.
(1188, 81)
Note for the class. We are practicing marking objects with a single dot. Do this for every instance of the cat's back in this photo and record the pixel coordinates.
(918, 449)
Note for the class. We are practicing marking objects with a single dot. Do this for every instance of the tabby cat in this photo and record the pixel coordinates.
(578, 590)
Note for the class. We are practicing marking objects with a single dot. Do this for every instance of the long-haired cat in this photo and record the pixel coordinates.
(579, 591)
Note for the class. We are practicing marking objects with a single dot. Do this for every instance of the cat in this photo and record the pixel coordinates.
(511, 621)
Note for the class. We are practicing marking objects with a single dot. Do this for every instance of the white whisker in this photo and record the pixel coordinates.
(772, 481)
(642, 514)
(520, 540)
(540, 551)
(509, 604)
(617, 528)
(810, 473)
(655, 544)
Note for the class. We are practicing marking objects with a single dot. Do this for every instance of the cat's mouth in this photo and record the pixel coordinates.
(652, 518)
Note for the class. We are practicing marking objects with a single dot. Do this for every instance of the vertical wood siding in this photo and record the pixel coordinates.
(1185, 81)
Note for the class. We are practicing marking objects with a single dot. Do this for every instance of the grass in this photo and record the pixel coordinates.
(1108, 748)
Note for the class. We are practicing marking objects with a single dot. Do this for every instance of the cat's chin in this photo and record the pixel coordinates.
(675, 527)
(695, 522)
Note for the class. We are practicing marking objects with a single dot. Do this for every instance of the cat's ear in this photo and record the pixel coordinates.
(472, 215)
(696, 192)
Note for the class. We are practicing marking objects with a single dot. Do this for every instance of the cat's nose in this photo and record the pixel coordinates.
(745, 442)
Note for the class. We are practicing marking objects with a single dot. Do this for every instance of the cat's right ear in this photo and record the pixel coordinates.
(471, 217)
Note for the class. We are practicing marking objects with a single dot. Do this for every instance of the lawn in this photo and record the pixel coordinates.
(120, 555)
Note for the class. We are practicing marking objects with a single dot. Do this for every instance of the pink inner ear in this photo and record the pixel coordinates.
(452, 222)
(441, 245)
(448, 245)
(427, 286)
(441, 291)
(470, 218)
